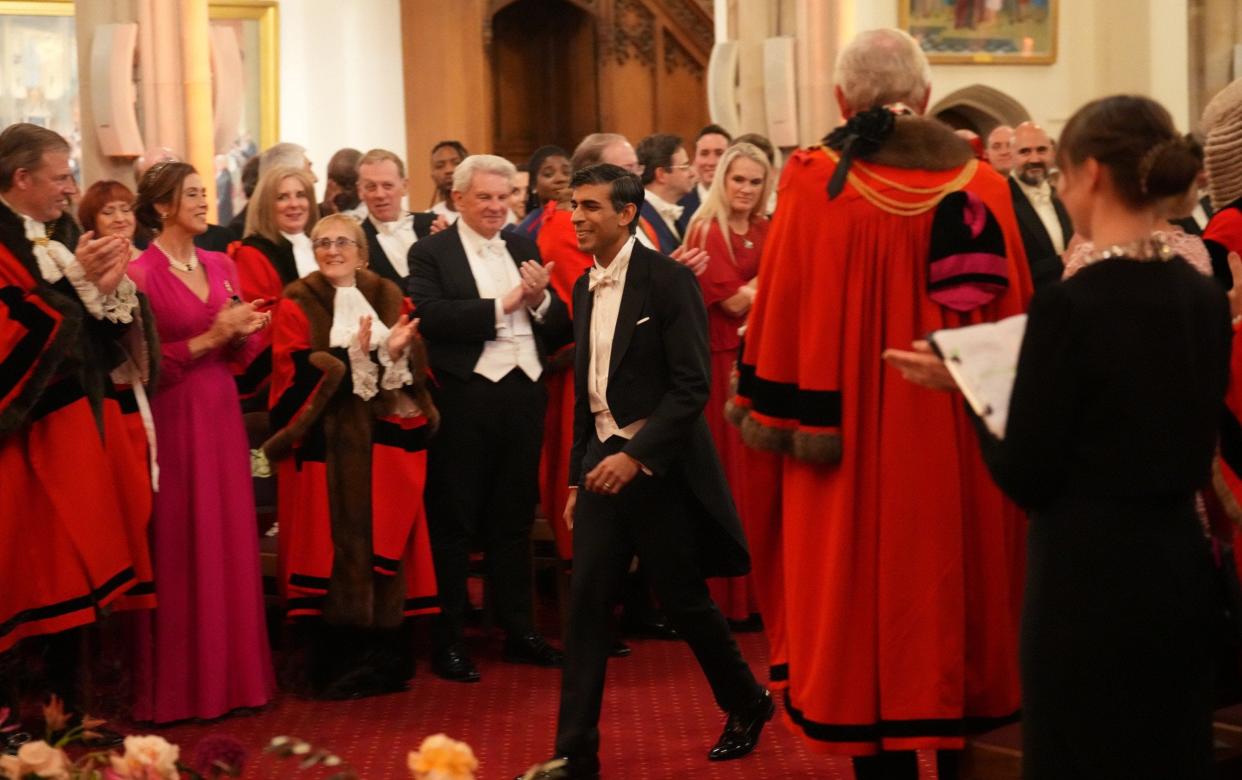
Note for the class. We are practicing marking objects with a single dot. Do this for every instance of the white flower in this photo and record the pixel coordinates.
(150, 751)
(36, 758)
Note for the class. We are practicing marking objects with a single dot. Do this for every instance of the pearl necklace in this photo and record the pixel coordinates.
(1150, 249)
(185, 267)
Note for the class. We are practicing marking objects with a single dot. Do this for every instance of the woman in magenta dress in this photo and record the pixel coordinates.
(203, 651)
(730, 226)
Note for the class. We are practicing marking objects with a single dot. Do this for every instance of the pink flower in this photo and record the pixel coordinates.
(36, 758)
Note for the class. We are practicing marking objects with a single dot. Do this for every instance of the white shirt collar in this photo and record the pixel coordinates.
(473, 242)
(406, 219)
(1041, 191)
(619, 263)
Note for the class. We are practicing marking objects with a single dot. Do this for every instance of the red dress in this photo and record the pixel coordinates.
(729, 268)
(558, 244)
(902, 561)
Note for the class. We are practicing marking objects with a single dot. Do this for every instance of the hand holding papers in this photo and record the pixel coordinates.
(983, 361)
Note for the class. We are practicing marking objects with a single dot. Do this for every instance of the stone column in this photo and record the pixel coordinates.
(200, 148)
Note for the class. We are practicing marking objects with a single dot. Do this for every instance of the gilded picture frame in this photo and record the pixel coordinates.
(39, 67)
(983, 32)
(257, 23)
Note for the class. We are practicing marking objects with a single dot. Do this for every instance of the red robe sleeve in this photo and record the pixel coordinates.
(32, 330)
(303, 380)
(256, 274)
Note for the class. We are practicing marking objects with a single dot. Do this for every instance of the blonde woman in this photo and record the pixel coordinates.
(276, 249)
(730, 226)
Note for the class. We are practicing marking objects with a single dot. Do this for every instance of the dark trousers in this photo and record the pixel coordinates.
(649, 517)
(482, 482)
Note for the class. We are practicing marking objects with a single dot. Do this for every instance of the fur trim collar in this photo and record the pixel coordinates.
(922, 143)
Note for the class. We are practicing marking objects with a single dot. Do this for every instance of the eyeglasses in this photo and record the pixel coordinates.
(682, 167)
(324, 244)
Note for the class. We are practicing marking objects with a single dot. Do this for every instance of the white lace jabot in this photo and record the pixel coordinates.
(348, 307)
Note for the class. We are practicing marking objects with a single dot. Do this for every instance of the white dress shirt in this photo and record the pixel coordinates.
(441, 208)
(669, 212)
(607, 286)
(1041, 200)
(495, 274)
(396, 238)
(303, 253)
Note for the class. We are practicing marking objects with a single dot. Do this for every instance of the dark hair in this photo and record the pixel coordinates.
(536, 161)
(457, 146)
(22, 146)
(160, 184)
(760, 141)
(656, 151)
(98, 195)
(624, 187)
(714, 130)
(1134, 139)
(343, 167)
(250, 175)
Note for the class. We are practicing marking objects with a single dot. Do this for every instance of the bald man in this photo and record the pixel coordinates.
(1043, 221)
(999, 149)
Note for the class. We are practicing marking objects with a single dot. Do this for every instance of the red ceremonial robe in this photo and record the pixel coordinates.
(559, 244)
(902, 560)
(75, 494)
(353, 534)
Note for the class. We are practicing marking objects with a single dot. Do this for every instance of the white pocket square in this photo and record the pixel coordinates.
(640, 322)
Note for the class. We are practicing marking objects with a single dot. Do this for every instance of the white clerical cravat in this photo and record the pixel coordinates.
(303, 253)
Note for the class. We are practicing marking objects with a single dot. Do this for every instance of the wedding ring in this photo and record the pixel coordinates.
(607, 486)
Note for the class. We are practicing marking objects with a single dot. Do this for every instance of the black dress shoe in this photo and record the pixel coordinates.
(454, 665)
(648, 629)
(741, 731)
(531, 648)
(619, 649)
(563, 768)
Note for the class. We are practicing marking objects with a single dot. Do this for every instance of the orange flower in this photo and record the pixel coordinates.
(442, 758)
(54, 713)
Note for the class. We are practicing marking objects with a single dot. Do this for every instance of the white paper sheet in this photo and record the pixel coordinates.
(983, 360)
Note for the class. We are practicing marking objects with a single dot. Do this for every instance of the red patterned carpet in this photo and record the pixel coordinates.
(659, 721)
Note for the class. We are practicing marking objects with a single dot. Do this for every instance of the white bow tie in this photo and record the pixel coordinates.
(670, 211)
(494, 246)
(600, 277)
(388, 228)
(52, 256)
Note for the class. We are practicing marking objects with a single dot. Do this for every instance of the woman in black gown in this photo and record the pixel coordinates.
(1112, 427)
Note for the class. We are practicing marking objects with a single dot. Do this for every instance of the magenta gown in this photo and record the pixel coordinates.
(203, 651)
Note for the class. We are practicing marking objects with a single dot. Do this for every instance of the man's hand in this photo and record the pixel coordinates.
(535, 278)
(364, 333)
(440, 223)
(692, 258)
(613, 473)
(922, 367)
(568, 514)
(104, 260)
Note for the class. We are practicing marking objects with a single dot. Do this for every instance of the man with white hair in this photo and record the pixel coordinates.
(900, 561)
(488, 317)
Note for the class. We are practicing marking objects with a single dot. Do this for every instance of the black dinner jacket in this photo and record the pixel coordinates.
(377, 259)
(660, 370)
(453, 320)
(1045, 261)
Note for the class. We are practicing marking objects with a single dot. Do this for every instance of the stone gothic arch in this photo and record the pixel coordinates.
(979, 108)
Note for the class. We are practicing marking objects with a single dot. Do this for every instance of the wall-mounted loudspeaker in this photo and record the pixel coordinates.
(722, 86)
(780, 93)
(112, 89)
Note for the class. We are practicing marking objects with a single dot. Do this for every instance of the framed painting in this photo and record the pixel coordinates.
(989, 32)
(245, 54)
(39, 68)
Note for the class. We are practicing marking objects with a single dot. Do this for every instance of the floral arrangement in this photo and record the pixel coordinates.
(152, 757)
(143, 757)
